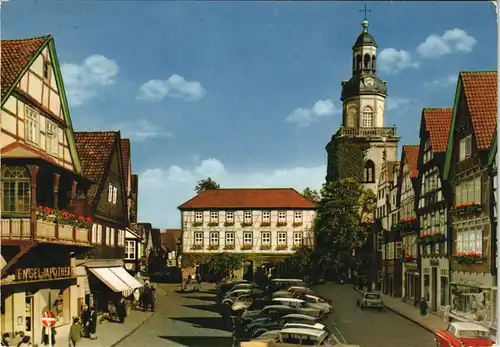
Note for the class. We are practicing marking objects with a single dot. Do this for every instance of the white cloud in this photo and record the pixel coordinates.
(452, 41)
(80, 81)
(304, 117)
(443, 82)
(163, 189)
(395, 103)
(175, 86)
(390, 60)
(142, 130)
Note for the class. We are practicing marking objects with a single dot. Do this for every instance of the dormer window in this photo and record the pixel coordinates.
(112, 194)
(465, 148)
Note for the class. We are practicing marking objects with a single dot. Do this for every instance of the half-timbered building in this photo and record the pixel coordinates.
(263, 225)
(407, 224)
(493, 201)
(471, 132)
(431, 198)
(41, 179)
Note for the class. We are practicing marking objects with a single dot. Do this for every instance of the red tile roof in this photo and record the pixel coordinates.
(125, 148)
(411, 153)
(481, 93)
(437, 123)
(287, 198)
(15, 56)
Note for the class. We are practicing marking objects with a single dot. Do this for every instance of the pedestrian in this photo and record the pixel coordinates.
(92, 324)
(18, 336)
(85, 316)
(6, 339)
(25, 342)
(137, 297)
(120, 310)
(45, 336)
(146, 297)
(423, 307)
(153, 298)
(75, 332)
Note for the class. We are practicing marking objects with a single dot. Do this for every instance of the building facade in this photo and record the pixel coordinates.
(472, 128)
(263, 225)
(42, 228)
(432, 197)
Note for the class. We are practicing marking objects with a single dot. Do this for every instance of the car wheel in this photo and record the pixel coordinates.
(362, 307)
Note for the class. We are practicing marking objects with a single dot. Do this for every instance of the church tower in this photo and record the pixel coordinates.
(363, 100)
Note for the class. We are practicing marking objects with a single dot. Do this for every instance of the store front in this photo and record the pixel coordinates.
(411, 283)
(435, 284)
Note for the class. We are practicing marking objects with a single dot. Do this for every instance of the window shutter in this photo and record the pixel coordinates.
(115, 192)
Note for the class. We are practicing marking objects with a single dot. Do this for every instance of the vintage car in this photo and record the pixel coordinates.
(259, 326)
(274, 311)
(291, 291)
(190, 286)
(293, 337)
(315, 301)
(302, 306)
(370, 300)
(231, 297)
(283, 283)
(287, 323)
(464, 334)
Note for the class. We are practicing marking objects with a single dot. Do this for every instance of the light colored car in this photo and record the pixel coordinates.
(233, 296)
(292, 290)
(261, 325)
(464, 334)
(294, 337)
(300, 305)
(371, 300)
(316, 302)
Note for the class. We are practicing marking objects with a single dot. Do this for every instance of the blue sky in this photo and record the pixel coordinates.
(213, 88)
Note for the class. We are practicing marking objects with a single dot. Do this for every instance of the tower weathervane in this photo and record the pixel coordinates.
(365, 11)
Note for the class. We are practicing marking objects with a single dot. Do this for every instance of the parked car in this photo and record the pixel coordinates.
(274, 311)
(315, 301)
(293, 337)
(291, 291)
(301, 306)
(231, 297)
(225, 286)
(261, 326)
(283, 283)
(190, 286)
(371, 300)
(460, 334)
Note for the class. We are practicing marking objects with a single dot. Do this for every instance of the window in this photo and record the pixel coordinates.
(266, 238)
(214, 238)
(51, 141)
(198, 217)
(16, 190)
(110, 193)
(282, 216)
(380, 241)
(399, 248)
(46, 70)
(465, 147)
(297, 217)
(469, 237)
(468, 191)
(94, 233)
(32, 125)
(247, 238)
(266, 216)
(99, 234)
(369, 174)
(297, 239)
(214, 217)
(198, 238)
(281, 239)
(248, 216)
(367, 119)
(230, 238)
(229, 216)
(130, 250)
(121, 238)
(110, 236)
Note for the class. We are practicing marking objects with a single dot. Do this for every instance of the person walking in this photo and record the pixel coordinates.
(423, 307)
(153, 298)
(6, 339)
(45, 336)
(92, 324)
(85, 316)
(121, 310)
(75, 332)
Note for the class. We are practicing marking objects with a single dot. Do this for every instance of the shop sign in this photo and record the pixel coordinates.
(43, 273)
(434, 262)
(411, 267)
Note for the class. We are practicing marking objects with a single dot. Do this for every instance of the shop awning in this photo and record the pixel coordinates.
(126, 277)
(117, 283)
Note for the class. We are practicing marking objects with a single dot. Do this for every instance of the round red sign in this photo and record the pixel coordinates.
(48, 319)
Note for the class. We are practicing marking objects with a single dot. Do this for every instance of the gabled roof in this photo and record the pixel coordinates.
(125, 148)
(156, 238)
(170, 238)
(286, 198)
(411, 154)
(95, 148)
(437, 122)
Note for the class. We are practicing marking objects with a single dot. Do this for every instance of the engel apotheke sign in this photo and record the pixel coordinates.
(44, 273)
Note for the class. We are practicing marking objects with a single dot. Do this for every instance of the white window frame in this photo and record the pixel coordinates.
(266, 238)
(214, 238)
(115, 195)
(247, 215)
(397, 250)
(266, 216)
(281, 216)
(110, 192)
(281, 239)
(198, 217)
(198, 238)
(121, 235)
(32, 132)
(367, 117)
(94, 233)
(247, 238)
(469, 237)
(229, 238)
(51, 138)
(99, 234)
(297, 216)
(229, 216)
(465, 150)
(298, 239)
(130, 250)
(214, 216)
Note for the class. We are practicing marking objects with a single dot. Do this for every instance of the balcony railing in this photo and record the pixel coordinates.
(46, 231)
(374, 132)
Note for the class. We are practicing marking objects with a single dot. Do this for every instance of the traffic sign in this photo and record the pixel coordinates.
(48, 319)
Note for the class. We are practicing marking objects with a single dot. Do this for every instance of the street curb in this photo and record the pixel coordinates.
(133, 330)
(401, 314)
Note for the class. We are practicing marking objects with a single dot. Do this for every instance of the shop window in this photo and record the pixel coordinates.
(466, 299)
(444, 290)
(29, 313)
(58, 309)
(16, 188)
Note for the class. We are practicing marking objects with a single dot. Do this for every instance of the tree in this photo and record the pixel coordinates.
(206, 184)
(223, 265)
(311, 194)
(304, 263)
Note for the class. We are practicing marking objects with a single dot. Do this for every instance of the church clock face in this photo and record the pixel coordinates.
(369, 82)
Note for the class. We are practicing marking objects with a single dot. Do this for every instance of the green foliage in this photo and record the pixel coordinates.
(223, 265)
(346, 157)
(311, 194)
(304, 262)
(206, 184)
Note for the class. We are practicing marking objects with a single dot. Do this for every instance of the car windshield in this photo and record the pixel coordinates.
(372, 296)
(472, 333)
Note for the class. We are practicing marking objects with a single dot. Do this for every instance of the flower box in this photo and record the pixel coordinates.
(265, 224)
(431, 238)
(229, 247)
(228, 224)
(468, 208)
(196, 247)
(245, 224)
(409, 259)
(281, 224)
(246, 247)
(197, 224)
(467, 257)
(213, 224)
(297, 224)
(63, 218)
(281, 247)
(265, 247)
(213, 247)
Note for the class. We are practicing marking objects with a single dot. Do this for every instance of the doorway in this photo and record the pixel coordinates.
(434, 289)
(29, 315)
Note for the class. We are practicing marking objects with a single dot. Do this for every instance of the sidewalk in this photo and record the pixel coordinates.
(429, 322)
(110, 334)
